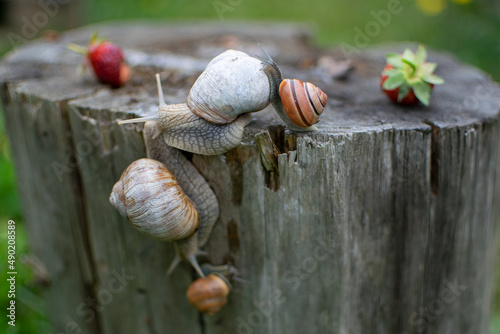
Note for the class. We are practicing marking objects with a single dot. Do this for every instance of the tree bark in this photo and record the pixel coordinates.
(383, 221)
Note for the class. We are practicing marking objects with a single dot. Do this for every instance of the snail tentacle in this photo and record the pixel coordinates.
(138, 120)
(161, 100)
(176, 261)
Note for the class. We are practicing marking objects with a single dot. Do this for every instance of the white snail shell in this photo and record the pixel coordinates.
(232, 84)
(303, 102)
(148, 194)
(208, 294)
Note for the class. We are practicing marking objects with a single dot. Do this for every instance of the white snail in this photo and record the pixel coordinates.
(215, 114)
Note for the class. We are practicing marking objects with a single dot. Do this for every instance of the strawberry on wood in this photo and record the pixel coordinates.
(407, 78)
(107, 61)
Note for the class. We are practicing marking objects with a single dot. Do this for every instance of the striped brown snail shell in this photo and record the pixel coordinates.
(298, 104)
(209, 294)
(303, 102)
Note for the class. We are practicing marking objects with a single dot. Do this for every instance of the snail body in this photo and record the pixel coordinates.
(182, 129)
(213, 118)
(194, 186)
(209, 294)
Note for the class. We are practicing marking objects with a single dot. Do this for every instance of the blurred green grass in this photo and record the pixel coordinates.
(30, 317)
(469, 31)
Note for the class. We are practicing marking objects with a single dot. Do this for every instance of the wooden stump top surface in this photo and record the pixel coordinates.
(181, 52)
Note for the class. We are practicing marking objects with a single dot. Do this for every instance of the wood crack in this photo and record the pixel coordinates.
(272, 142)
(201, 322)
(434, 165)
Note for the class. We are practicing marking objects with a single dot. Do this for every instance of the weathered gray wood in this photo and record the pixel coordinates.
(37, 124)
(383, 221)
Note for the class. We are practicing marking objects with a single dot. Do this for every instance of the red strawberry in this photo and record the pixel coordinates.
(107, 61)
(408, 78)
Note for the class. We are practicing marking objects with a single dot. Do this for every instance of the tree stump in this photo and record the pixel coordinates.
(383, 221)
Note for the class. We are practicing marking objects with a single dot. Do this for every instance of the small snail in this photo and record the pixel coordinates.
(302, 101)
(298, 104)
(209, 294)
(149, 195)
(214, 116)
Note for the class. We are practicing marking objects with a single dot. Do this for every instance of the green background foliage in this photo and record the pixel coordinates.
(467, 28)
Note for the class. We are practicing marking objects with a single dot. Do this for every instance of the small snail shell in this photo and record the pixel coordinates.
(303, 102)
(208, 294)
(148, 194)
(297, 105)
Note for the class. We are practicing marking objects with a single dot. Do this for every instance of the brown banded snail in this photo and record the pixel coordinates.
(302, 101)
(213, 118)
(209, 294)
(298, 104)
